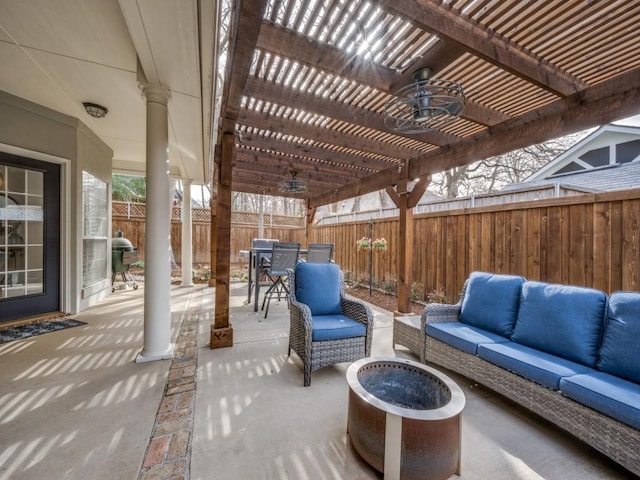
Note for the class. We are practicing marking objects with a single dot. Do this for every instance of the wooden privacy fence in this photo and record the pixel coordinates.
(589, 240)
(130, 219)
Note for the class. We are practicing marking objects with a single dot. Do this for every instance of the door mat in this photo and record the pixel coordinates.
(33, 329)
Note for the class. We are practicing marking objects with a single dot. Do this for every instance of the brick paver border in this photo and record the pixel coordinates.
(168, 454)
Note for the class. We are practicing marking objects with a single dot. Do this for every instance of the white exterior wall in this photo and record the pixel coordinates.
(30, 130)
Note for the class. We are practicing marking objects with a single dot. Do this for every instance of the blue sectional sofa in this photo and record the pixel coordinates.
(568, 353)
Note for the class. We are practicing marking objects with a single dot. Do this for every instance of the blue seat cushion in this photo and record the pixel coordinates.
(462, 336)
(607, 394)
(318, 287)
(541, 367)
(491, 302)
(620, 350)
(563, 320)
(335, 327)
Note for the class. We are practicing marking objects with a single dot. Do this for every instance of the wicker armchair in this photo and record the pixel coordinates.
(325, 326)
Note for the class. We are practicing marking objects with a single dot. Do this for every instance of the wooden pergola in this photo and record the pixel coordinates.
(306, 83)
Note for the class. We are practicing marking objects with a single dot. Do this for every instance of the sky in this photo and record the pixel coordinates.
(635, 121)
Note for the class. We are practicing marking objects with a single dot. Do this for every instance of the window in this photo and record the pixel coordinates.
(598, 157)
(21, 232)
(628, 151)
(94, 230)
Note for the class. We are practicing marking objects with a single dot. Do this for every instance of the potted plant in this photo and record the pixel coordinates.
(379, 244)
(364, 244)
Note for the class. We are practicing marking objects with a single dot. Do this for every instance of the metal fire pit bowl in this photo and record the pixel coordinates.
(404, 418)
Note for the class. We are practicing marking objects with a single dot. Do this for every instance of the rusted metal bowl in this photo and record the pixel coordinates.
(404, 418)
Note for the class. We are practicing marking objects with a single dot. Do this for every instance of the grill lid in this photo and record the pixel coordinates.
(119, 242)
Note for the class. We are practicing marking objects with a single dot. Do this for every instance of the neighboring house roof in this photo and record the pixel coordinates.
(609, 145)
(624, 176)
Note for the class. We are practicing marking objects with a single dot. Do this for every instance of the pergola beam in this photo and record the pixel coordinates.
(283, 163)
(454, 27)
(595, 106)
(281, 95)
(290, 44)
(246, 19)
(323, 154)
(283, 125)
(315, 179)
(603, 103)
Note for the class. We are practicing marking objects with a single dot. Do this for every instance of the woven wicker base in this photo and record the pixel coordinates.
(615, 439)
(406, 332)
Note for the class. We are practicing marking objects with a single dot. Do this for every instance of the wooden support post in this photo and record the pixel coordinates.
(221, 330)
(213, 236)
(405, 253)
(405, 201)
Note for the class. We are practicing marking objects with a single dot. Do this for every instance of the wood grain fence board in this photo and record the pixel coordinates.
(502, 239)
(442, 253)
(554, 237)
(474, 246)
(514, 245)
(449, 268)
(616, 249)
(422, 248)
(589, 247)
(577, 246)
(565, 250)
(532, 248)
(631, 245)
(487, 243)
(462, 254)
(543, 271)
(426, 243)
(602, 246)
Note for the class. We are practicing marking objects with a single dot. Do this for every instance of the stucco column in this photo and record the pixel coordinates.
(187, 244)
(157, 281)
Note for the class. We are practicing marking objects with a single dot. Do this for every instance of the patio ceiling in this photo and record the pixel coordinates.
(307, 81)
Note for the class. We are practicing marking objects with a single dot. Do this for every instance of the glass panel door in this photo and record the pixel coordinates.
(29, 237)
(21, 232)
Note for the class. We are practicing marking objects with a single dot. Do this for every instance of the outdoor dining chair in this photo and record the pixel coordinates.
(325, 326)
(320, 252)
(283, 257)
(265, 258)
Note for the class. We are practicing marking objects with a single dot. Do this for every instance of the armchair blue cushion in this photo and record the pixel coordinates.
(620, 350)
(318, 286)
(491, 302)
(334, 327)
(563, 320)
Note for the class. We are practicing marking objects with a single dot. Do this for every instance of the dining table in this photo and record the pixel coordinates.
(255, 256)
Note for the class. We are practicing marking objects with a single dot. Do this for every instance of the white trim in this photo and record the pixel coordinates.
(66, 304)
(564, 158)
(96, 288)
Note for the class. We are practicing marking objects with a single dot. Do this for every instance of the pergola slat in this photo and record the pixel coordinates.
(306, 87)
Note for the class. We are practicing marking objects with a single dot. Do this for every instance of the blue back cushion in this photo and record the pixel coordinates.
(620, 351)
(491, 302)
(318, 286)
(564, 320)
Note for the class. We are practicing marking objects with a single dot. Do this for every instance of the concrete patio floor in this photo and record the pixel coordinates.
(74, 405)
